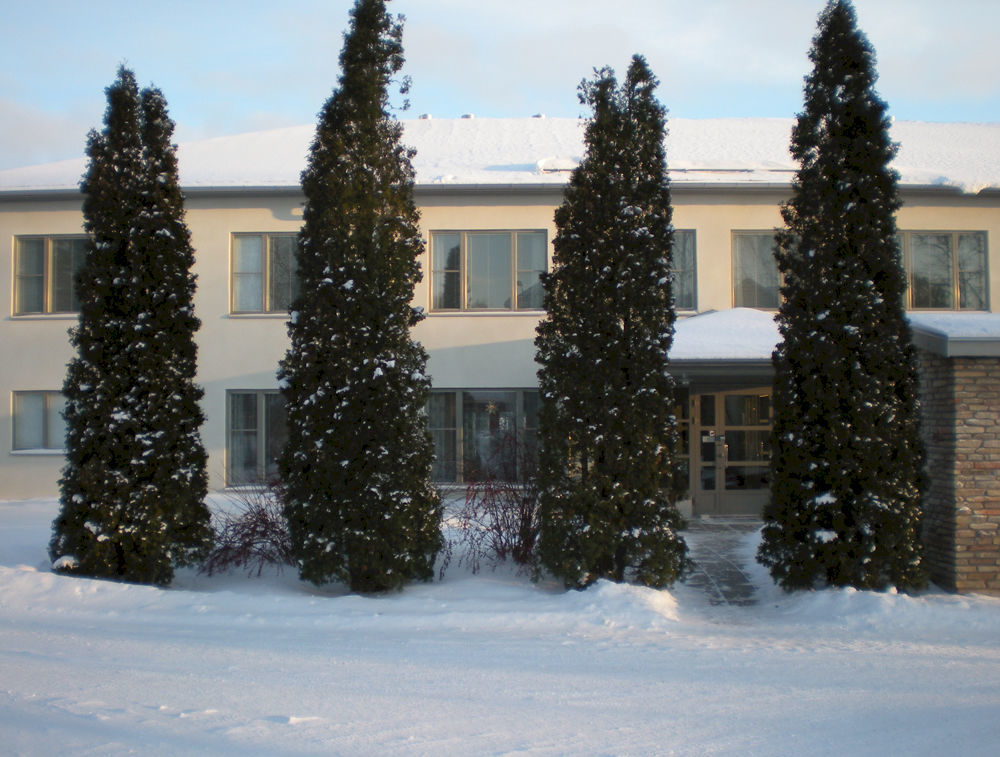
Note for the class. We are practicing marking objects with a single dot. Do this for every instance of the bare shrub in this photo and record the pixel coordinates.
(251, 533)
(498, 520)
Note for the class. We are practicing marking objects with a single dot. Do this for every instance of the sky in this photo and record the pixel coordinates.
(232, 66)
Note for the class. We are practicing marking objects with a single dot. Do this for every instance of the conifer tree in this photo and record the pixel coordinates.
(607, 434)
(356, 467)
(133, 489)
(847, 456)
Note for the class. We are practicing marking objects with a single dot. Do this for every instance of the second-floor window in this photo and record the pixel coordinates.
(264, 278)
(755, 270)
(44, 271)
(487, 270)
(946, 269)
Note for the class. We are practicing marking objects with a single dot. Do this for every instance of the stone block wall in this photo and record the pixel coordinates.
(960, 399)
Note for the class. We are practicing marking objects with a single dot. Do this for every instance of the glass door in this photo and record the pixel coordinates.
(732, 452)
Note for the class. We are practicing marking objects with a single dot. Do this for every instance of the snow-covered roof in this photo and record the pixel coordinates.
(744, 334)
(735, 334)
(957, 334)
(541, 151)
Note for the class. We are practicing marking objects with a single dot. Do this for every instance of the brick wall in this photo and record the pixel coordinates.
(961, 426)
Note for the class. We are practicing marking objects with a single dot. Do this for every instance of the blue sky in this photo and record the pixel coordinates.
(228, 66)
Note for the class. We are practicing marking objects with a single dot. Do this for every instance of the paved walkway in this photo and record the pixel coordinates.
(718, 550)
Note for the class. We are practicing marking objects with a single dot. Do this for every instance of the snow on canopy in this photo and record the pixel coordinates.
(736, 334)
(958, 325)
(542, 151)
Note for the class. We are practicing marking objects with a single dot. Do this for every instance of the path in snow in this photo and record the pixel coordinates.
(718, 551)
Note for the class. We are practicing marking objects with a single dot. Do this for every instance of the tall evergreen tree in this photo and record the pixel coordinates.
(356, 467)
(847, 457)
(133, 489)
(607, 434)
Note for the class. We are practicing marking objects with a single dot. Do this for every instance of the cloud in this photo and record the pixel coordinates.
(30, 135)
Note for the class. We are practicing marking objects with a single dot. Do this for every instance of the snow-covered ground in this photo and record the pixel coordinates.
(485, 664)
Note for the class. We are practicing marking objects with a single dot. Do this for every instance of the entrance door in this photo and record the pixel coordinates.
(731, 452)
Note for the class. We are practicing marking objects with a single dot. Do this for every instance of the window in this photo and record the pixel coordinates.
(38, 421)
(264, 273)
(684, 270)
(487, 270)
(946, 269)
(755, 270)
(44, 268)
(481, 433)
(257, 432)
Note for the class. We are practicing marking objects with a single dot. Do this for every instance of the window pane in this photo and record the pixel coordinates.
(446, 254)
(743, 477)
(972, 271)
(489, 435)
(747, 410)
(528, 442)
(931, 274)
(29, 269)
(283, 287)
(67, 259)
(684, 270)
(489, 275)
(748, 445)
(55, 424)
(248, 274)
(242, 438)
(755, 271)
(276, 430)
(442, 424)
(29, 420)
(531, 257)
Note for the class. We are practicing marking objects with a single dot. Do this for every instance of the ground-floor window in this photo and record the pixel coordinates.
(256, 433)
(38, 420)
(483, 433)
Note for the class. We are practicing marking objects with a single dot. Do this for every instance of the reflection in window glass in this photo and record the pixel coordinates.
(264, 273)
(946, 270)
(755, 270)
(256, 436)
(684, 270)
(930, 256)
(38, 420)
(483, 433)
(531, 256)
(489, 271)
(44, 274)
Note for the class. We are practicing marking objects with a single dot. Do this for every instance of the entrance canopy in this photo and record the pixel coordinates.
(724, 349)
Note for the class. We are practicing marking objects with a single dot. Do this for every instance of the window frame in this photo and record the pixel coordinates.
(906, 252)
(261, 428)
(677, 272)
(267, 296)
(52, 402)
(522, 428)
(48, 275)
(738, 233)
(463, 269)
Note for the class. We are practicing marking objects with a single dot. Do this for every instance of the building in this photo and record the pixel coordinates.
(487, 190)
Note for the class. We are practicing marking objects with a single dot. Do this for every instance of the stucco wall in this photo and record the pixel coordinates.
(468, 350)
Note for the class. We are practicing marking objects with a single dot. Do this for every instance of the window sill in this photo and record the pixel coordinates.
(283, 315)
(41, 452)
(44, 316)
(482, 313)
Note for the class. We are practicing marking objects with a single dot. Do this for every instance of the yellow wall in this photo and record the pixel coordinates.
(474, 350)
